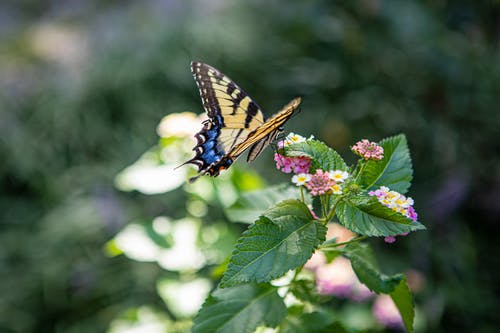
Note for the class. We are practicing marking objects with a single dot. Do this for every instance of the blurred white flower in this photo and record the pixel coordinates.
(148, 176)
(145, 319)
(184, 299)
(183, 255)
(64, 45)
(136, 244)
(180, 124)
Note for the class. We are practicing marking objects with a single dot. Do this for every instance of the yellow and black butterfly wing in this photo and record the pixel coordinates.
(236, 122)
(226, 104)
(262, 136)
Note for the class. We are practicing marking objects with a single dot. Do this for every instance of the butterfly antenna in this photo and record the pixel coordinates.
(187, 162)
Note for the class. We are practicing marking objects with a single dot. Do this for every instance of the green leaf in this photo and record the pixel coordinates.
(367, 216)
(240, 309)
(316, 203)
(284, 238)
(251, 204)
(331, 255)
(394, 170)
(305, 290)
(364, 265)
(318, 321)
(401, 297)
(323, 157)
(330, 241)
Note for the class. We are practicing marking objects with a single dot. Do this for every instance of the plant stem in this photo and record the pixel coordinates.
(354, 240)
(302, 194)
(330, 215)
(363, 164)
(323, 206)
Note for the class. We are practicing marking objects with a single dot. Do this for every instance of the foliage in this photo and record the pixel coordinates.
(394, 170)
(287, 228)
(85, 83)
(240, 309)
(285, 236)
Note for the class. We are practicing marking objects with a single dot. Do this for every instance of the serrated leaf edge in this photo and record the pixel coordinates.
(255, 299)
(233, 281)
(388, 162)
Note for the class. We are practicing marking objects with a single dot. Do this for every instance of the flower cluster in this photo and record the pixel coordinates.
(398, 203)
(321, 182)
(318, 183)
(297, 165)
(395, 201)
(368, 150)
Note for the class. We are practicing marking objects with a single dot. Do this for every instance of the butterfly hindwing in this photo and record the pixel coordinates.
(235, 122)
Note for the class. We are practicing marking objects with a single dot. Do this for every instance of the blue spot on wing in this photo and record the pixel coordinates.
(211, 151)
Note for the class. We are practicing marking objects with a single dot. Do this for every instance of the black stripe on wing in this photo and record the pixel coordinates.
(214, 86)
(258, 147)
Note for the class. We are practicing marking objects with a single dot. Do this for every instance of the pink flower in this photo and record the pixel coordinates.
(299, 164)
(339, 279)
(390, 239)
(317, 260)
(368, 150)
(283, 163)
(320, 183)
(386, 313)
(302, 164)
(336, 278)
(412, 214)
(379, 193)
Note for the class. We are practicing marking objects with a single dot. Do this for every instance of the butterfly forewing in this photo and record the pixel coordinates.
(221, 96)
(270, 129)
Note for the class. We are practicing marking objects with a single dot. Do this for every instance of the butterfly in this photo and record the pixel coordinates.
(235, 122)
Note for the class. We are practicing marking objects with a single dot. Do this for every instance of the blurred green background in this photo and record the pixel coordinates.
(83, 85)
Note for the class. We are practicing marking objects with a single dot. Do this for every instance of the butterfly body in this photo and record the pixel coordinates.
(235, 122)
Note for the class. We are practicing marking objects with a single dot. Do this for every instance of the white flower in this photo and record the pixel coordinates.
(301, 179)
(294, 138)
(338, 175)
(337, 189)
(179, 124)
